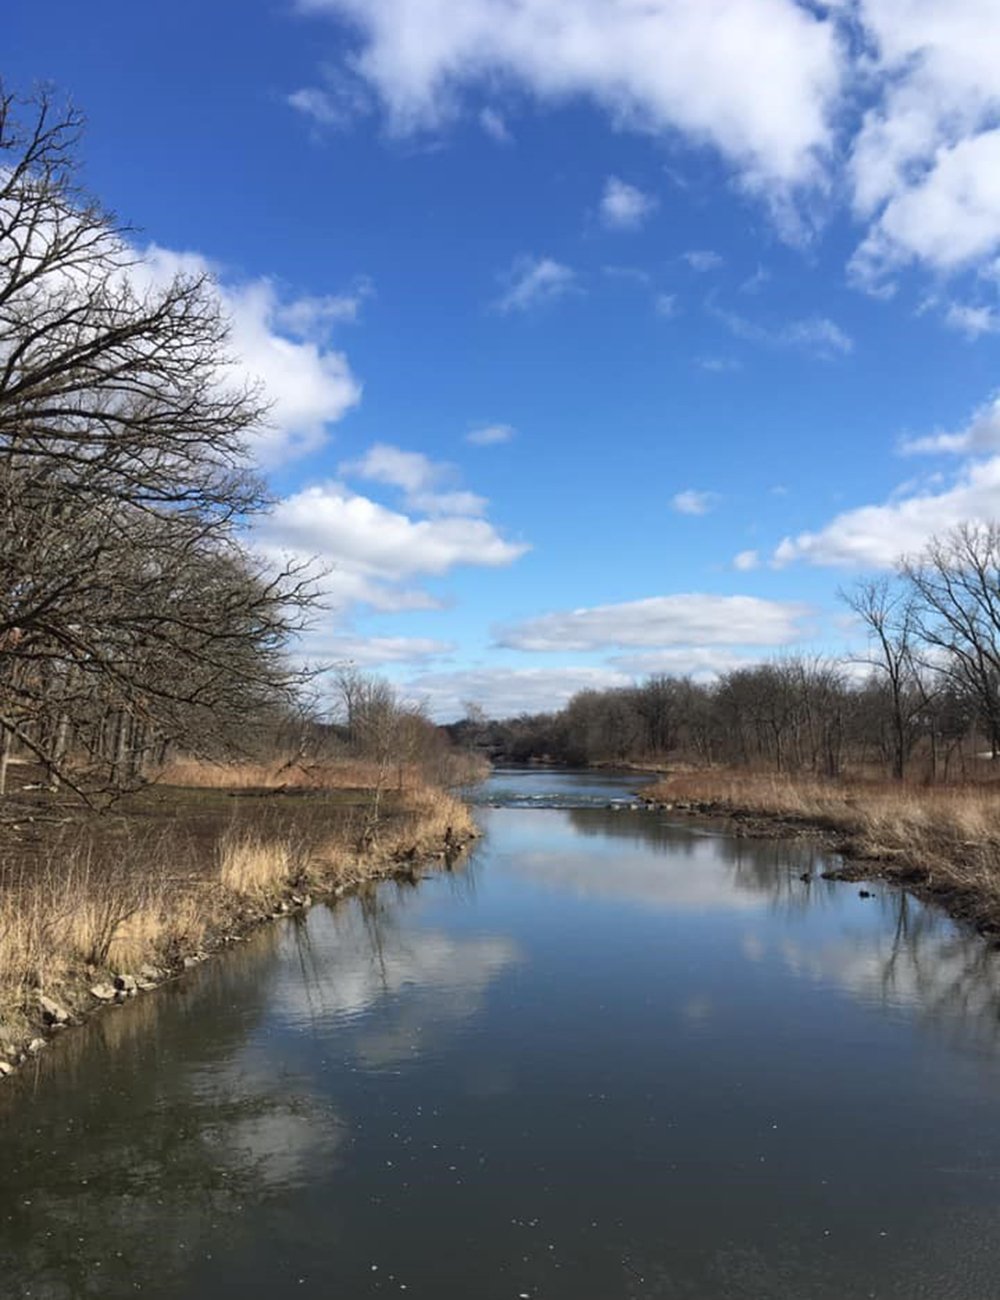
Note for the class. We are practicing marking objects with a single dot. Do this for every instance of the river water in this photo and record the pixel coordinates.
(611, 1056)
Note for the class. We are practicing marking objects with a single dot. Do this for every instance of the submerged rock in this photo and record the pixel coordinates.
(35, 1046)
(5, 1069)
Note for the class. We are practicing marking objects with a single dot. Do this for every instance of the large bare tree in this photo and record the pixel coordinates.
(131, 613)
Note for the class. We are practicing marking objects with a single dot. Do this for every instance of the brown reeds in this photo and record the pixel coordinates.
(85, 909)
(285, 773)
(944, 839)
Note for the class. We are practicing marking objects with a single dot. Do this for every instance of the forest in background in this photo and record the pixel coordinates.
(921, 701)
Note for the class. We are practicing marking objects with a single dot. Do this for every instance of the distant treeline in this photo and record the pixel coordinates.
(923, 699)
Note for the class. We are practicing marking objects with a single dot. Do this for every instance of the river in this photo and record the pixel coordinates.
(609, 1056)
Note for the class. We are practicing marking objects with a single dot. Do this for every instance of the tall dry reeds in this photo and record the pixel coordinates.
(946, 837)
(284, 773)
(84, 908)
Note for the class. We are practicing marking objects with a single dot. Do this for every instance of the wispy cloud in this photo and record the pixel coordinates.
(718, 365)
(703, 259)
(972, 321)
(817, 335)
(533, 282)
(495, 126)
(625, 206)
(693, 502)
(754, 283)
(489, 435)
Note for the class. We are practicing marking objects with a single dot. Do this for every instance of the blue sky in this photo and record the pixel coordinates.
(602, 338)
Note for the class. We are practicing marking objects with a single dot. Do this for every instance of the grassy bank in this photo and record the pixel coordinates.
(176, 871)
(941, 842)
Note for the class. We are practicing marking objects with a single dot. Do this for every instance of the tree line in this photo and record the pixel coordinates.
(133, 616)
(922, 699)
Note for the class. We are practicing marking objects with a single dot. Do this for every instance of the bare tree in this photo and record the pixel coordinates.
(956, 583)
(890, 615)
(130, 610)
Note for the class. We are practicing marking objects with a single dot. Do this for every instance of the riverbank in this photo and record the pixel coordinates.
(941, 843)
(97, 909)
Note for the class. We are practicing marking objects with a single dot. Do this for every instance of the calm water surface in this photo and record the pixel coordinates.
(610, 1057)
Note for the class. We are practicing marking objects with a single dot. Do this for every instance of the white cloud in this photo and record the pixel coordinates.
(981, 434)
(926, 162)
(666, 305)
(718, 365)
(534, 281)
(765, 83)
(948, 219)
(490, 435)
(495, 126)
(623, 206)
(372, 552)
(702, 259)
(679, 620)
(746, 560)
(972, 321)
(420, 479)
(757, 79)
(876, 536)
(315, 317)
(281, 343)
(505, 692)
(693, 502)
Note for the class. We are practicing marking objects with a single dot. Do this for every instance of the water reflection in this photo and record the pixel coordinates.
(911, 959)
(656, 863)
(424, 982)
(146, 1136)
(616, 1058)
(888, 951)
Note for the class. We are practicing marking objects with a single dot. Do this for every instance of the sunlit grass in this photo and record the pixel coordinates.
(86, 910)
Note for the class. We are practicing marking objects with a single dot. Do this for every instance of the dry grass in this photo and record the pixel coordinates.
(945, 837)
(257, 869)
(73, 914)
(430, 818)
(86, 908)
(286, 773)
